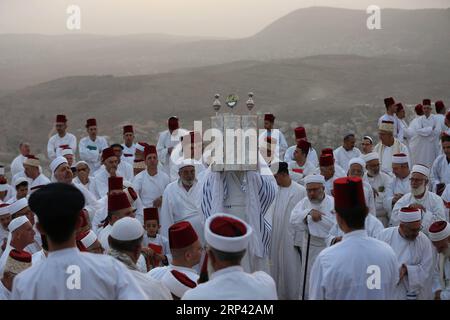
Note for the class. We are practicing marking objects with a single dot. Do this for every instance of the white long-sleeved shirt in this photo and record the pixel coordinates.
(55, 142)
(150, 187)
(342, 157)
(90, 151)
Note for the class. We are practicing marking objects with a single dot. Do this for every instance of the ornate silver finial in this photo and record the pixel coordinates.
(232, 100)
(217, 104)
(250, 102)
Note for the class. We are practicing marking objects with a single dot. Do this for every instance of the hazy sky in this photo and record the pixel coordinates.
(221, 18)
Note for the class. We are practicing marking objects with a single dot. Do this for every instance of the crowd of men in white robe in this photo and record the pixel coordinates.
(156, 208)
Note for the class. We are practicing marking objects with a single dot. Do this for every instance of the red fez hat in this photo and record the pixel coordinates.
(228, 227)
(426, 102)
(327, 151)
(183, 278)
(91, 122)
(304, 146)
(115, 183)
(118, 201)
(128, 129)
(300, 133)
(107, 153)
(3, 180)
(399, 106)
(149, 150)
(326, 160)
(439, 105)
(181, 235)
(173, 123)
(60, 118)
(389, 101)
(419, 109)
(348, 193)
(151, 214)
(21, 256)
(269, 117)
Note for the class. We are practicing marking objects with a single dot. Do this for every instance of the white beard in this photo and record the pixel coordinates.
(418, 191)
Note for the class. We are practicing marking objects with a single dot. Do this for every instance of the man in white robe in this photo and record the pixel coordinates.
(17, 163)
(366, 145)
(285, 259)
(181, 201)
(346, 152)
(228, 238)
(431, 204)
(388, 146)
(357, 168)
(108, 169)
(35, 178)
(300, 167)
(380, 183)
(424, 148)
(84, 178)
(401, 116)
(61, 140)
(300, 134)
(91, 147)
(275, 135)
(16, 262)
(342, 271)
(128, 146)
(440, 171)
(391, 108)
(7, 192)
(100, 276)
(330, 171)
(401, 184)
(439, 233)
(313, 218)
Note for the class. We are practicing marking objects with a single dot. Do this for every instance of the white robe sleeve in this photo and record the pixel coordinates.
(166, 215)
(73, 143)
(162, 150)
(419, 274)
(51, 150)
(126, 287)
(316, 285)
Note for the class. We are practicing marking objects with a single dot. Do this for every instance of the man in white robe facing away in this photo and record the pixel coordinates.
(61, 139)
(343, 271)
(400, 184)
(440, 171)
(285, 259)
(390, 115)
(346, 152)
(313, 218)
(300, 134)
(151, 183)
(128, 145)
(99, 276)
(228, 238)
(17, 163)
(431, 204)
(439, 233)
(276, 136)
(91, 147)
(125, 243)
(414, 253)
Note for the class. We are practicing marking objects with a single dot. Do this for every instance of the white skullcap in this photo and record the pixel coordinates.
(19, 181)
(368, 138)
(67, 151)
(89, 239)
(4, 186)
(2, 171)
(81, 162)
(314, 178)
(177, 282)
(371, 156)
(18, 205)
(4, 209)
(57, 162)
(186, 163)
(127, 229)
(17, 223)
(400, 158)
(419, 168)
(222, 222)
(357, 160)
(439, 230)
(409, 215)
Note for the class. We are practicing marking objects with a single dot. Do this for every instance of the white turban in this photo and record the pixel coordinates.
(371, 156)
(17, 223)
(439, 230)
(419, 168)
(357, 160)
(400, 158)
(314, 178)
(18, 205)
(186, 163)
(409, 215)
(57, 162)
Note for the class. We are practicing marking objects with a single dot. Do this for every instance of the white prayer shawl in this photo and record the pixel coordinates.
(259, 192)
(341, 271)
(181, 205)
(424, 147)
(284, 257)
(233, 283)
(401, 186)
(398, 132)
(417, 255)
(55, 142)
(101, 278)
(150, 187)
(385, 153)
(91, 151)
(159, 272)
(342, 157)
(166, 141)
(446, 198)
(17, 165)
(372, 225)
(89, 186)
(430, 201)
(128, 154)
(311, 157)
(277, 138)
(40, 181)
(440, 171)
(298, 173)
(441, 275)
(153, 289)
(381, 183)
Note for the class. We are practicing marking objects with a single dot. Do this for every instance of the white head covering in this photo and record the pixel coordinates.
(371, 156)
(439, 235)
(175, 286)
(4, 187)
(419, 168)
(357, 160)
(89, 239)
(18, 205)
(57, 162)
(400, 158)
(4, 210)
(314, 178)
(19, 181)
(409, 215)
(67, 151)
(81, 162)
(224, 243)
(186, 163)
(127, 229)
(17, 223)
